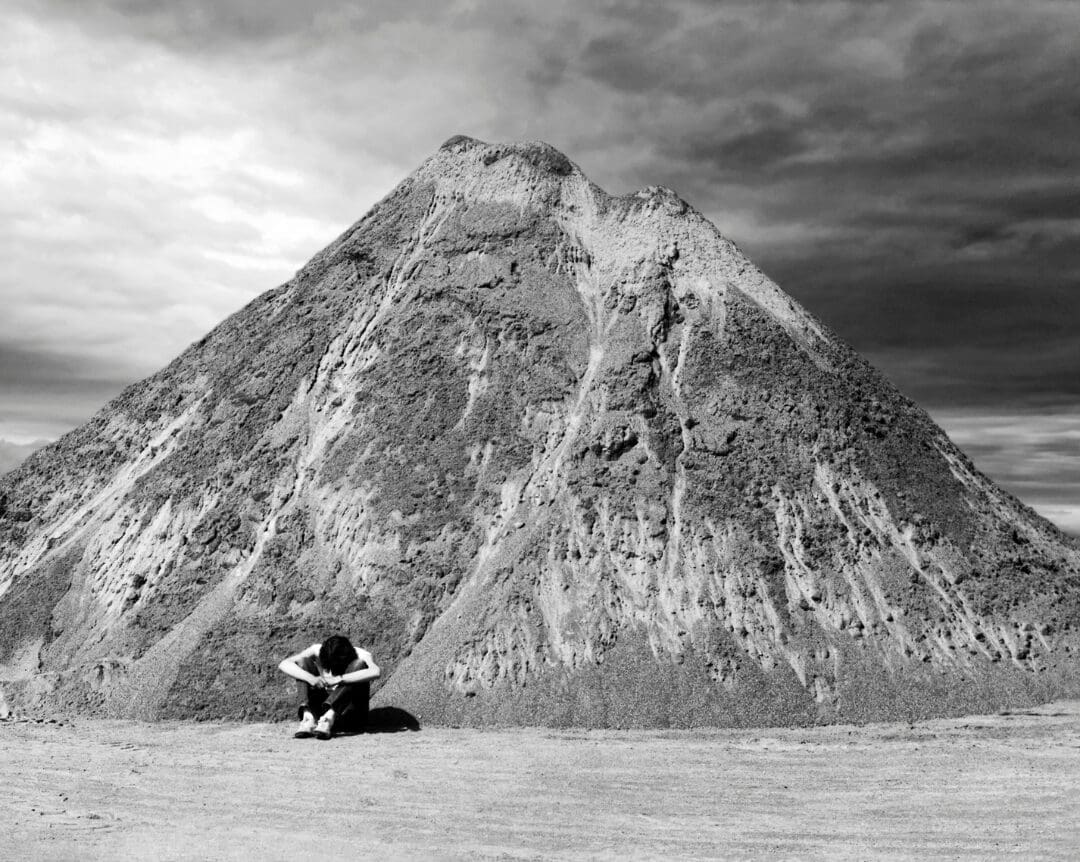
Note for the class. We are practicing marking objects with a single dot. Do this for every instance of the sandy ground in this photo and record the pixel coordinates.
(1003, 786)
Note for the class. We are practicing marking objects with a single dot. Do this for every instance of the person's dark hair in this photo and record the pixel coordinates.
(336, 654)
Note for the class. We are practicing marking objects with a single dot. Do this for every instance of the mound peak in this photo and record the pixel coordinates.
(555, 457)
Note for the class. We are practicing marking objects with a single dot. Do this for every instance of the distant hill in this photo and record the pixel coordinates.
(13, 454)
(557, 458)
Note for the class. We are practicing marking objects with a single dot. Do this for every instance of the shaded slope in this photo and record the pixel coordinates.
(558, 457)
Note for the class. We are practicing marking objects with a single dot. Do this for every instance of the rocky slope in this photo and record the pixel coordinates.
(555, 457)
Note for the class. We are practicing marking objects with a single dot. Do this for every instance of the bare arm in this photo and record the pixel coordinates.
(292, 667)
(364, 674)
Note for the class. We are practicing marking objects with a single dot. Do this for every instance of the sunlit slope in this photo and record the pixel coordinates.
(555, 457)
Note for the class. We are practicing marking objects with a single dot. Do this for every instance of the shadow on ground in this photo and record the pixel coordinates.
(385, 719)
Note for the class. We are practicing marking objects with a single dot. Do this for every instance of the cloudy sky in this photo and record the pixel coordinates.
(910, 172)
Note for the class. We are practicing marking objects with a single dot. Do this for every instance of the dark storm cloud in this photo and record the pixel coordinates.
(44, 394)
(910, 177)
(32, 369)
(205, 25)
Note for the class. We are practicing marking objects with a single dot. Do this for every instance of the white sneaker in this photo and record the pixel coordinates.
(306, 728)
(325, 728)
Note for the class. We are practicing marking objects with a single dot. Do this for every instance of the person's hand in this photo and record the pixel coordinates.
(331, 681)
(320, 682)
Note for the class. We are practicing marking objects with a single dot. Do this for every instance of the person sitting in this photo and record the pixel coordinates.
(334, 679)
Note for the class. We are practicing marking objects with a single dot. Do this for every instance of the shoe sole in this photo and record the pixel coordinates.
(323, 735)
(303, 734)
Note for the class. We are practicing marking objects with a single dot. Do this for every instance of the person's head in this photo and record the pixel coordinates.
(336, 654)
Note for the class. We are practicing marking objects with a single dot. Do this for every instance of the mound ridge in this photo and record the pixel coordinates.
(556, 457)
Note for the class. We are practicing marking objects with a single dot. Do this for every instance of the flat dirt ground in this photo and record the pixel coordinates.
(1002, 786)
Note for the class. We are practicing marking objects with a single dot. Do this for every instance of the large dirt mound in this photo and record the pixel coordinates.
(555, 457)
